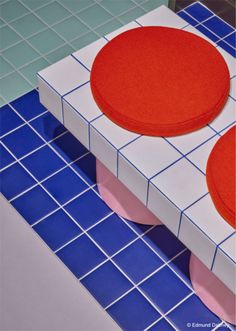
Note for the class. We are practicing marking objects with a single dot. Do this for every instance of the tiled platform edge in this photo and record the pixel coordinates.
(154, 169)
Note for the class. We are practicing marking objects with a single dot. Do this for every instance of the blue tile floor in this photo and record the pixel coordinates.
(139, 274)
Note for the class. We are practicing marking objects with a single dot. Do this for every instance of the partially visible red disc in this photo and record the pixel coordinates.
(160, 81)
(221, 167)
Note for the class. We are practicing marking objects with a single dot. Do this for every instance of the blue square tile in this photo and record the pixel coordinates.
(207, 33)
(192, 311)
(65, 185)
(81, 256)
(15, 180)
(9, 120)
(57, 229)
(199, 12)
(43, 162)
(165, 289)
(188, 18)
(5, 157)
(106, 284)
(181, 266)
(164, 242)
(227, 48)
(69, 147)
(28, 106)
(231, 39)
(138, 261)
(86, 167)
(219, 27)
(162, 325)
(22, 141)
(133, 312)
(34, 204)
(112, 234)
(48, 126)
(84, 215)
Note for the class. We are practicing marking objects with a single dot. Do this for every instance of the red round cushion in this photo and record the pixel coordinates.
(159, 81)
(221, 167)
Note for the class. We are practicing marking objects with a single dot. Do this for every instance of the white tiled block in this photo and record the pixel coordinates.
(79, 110)
(50, 99)
(233, 87)
(230, 60)
(57, 80)
(187, 142)
(106, 138)
(225, 263)
(162, 16)
(150, 154)
(132, 178)
(226, 117)
(182, 183)
(200, 155)
(193, 30)
(205, 216)
(86, 55)
(163, 209)
(196, 241)
(129, 26)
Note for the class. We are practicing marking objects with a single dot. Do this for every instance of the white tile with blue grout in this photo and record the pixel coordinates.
(117, 148)
(60, 201)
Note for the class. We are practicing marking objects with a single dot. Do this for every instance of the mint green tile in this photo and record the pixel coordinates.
(152, 4)
(1, 22)
(131, 15)
(75, 5)
(46, 41)
(8, 37)
(71, 28)
(108, 27)
(117, 7)
(20, 54)
(2, 102)
(60, 53)
(52, 13)
(12, 9)
(94, 15)
(13, 85)
(34, 4)
(83, 41)
(31, 69)
(28, 25)
(5, 67)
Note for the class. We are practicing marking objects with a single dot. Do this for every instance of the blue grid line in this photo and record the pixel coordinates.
(81, 63)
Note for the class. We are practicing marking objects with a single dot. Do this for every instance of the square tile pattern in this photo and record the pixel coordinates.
(97, 245)
(166, 174)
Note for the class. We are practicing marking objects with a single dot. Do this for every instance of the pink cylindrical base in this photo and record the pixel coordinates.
(212, 292)
(120, 199)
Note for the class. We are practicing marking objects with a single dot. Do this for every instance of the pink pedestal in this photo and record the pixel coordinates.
(212, 292)
(120, 199)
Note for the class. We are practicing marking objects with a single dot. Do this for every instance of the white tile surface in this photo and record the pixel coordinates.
(230, 60)
(182, 183)
(187, 142)
(233, 87)
(106, 138)
(226, 117)
(163, 209)
(162, 16)
(200, 155)
(87, 54)
(193, 30)
(205, 216)
(223, 266)
(129, 26)
(150, 154)
(82, 100)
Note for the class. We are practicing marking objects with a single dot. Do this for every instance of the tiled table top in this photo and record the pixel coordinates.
(50, 179)
(166, 174)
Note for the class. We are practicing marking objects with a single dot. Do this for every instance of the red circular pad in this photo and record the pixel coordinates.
(221, 167)
(160, 81)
